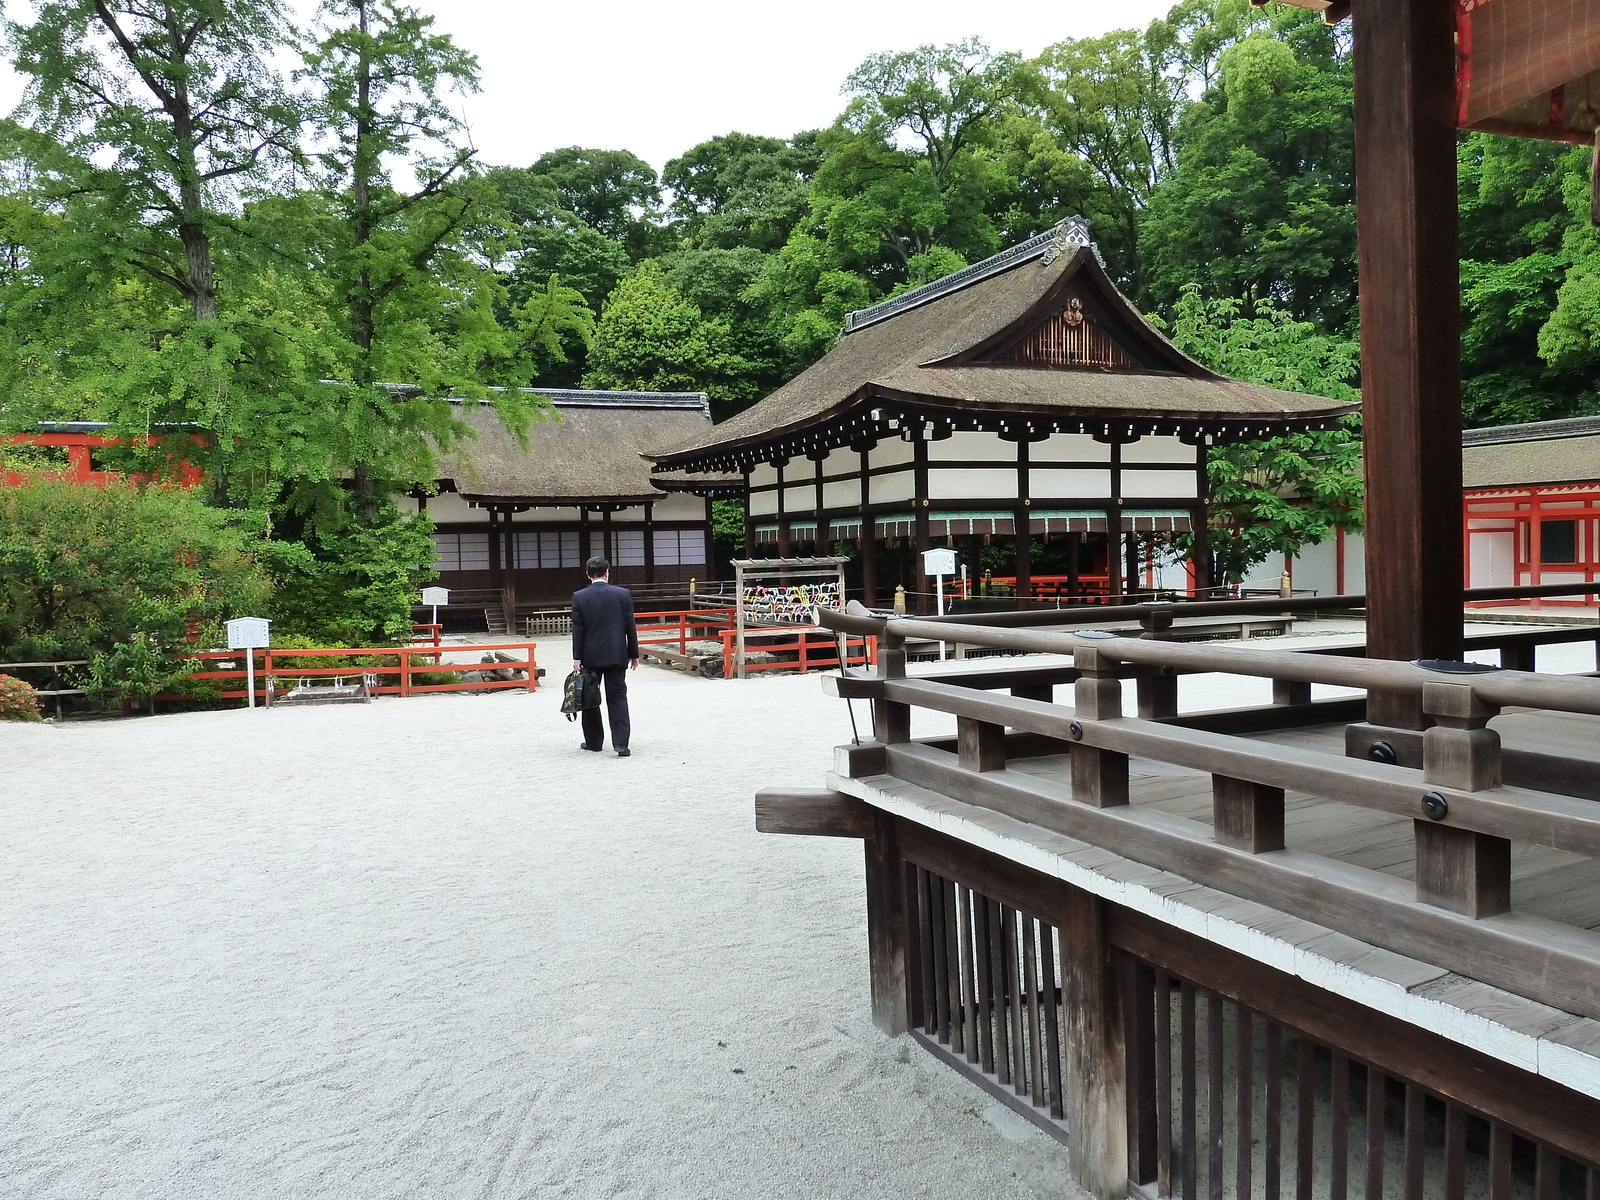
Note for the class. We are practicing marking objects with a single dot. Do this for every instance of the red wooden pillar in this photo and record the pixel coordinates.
(1410, 336)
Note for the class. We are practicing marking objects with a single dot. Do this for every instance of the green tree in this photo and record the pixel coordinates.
(1260, 202)
(1277, 495)
(613, 191)
(650, 338)
(741, 191)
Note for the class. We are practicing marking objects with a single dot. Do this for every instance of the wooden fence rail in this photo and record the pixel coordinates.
(408, 662)
(1457, 914)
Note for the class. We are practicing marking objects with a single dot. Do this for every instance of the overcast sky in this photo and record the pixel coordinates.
(657, 78)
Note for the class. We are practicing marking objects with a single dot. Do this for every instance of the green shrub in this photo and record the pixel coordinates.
(138, 669)
(85, 570)
(18, 700)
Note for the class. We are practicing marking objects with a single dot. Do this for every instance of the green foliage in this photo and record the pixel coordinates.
(651, 338)
(19, 701)
(741, 191)
(138, 670)
(83, 569)
(1277, 495)
(353, 586)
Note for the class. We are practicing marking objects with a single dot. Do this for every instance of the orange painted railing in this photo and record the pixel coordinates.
(431, 634)
(682, 626)
(1045, 587)
(406, 661)
(858, 651)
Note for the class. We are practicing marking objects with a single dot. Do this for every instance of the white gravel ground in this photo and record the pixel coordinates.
(428, 947)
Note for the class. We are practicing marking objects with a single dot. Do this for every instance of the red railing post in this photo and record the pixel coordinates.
(266, 672)
(727, 653)
(533, 670)
(683, 633)
(803, 642)
(405, 672)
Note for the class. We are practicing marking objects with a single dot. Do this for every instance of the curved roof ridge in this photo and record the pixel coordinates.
(1063, 235)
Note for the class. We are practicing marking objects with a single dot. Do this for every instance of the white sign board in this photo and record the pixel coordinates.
(435, 596)
(939, 562)
(248, 633)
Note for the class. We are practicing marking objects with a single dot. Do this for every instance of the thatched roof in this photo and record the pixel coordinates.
(1037, 334)
(1535, 453)
(589, 450)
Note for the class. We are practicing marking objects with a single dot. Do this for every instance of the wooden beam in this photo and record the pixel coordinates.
(814, 812)
(1410, 345)
(1094, 1047)
(887, 928)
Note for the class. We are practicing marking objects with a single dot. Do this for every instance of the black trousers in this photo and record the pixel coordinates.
(616, 693)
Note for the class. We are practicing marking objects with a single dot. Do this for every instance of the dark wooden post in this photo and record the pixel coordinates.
(887, 927)
(891, 720)
(609, 550)
(868, 540)
(919, 524)
(1114, 524)
(749, 520)
(1094, 1043)
(1158, 694)
(824, 534)
(1459, 869)
(980, 745)
(649, 542)
(1200, 560)
(585, 534)
(1245, 815)
(1022, 522)
(1405, 78)
(1074, 551)
(1099, 777)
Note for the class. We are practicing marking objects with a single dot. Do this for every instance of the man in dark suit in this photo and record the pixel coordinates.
(605, 640)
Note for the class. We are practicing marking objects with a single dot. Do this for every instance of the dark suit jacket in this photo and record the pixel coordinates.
(603, 632)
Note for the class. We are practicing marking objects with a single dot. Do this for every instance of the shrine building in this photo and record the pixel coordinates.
(514, 527)
(1024, 392)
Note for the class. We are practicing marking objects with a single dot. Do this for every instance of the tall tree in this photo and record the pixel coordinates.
(613, 191)
(739, 190)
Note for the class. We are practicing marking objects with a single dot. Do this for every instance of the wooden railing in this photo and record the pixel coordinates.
(679, 627)
(1466, 817)
(399, 664)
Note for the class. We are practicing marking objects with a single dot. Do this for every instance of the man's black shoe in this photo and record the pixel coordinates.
(623, 753)
(592, 749)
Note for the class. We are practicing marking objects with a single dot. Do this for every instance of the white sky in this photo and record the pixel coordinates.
(657, 78)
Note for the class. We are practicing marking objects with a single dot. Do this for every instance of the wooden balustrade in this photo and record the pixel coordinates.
(1465, 817)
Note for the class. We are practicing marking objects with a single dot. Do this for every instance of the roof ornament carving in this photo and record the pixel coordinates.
(1067, 236)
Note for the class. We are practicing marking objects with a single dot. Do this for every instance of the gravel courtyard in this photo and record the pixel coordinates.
(428, 947)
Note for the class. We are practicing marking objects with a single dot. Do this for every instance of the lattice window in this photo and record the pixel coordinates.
(680, 547)
(627, 547)
(547, 549)
(461, 551)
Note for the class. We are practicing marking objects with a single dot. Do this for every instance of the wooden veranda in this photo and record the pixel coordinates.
(1296, 948)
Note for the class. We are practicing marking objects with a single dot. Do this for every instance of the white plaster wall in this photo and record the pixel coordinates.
(1063, 483)
(450, 508)
(763, 475)
(763, 504)
(979, 484)
(801, 498)
(1069, 447)
(967, 445)
(539, 516)
(1164, 449)
(680, 506)
(1355, 564)
(1317, 567)
(890, 452)
(842, 495)
(893, 489)
(1176, 485)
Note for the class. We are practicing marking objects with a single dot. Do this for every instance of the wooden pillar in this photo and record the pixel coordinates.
(1131, 550)
(749, 520)
(887, 927)
(1099, 777)
(509, 596)
(585, 535)
(919, 523)
(497, 578)
(1201, 563)
(868, 540)
(1022, 524)
(650, 542)
(1406, 226)
(1074, 553)
(605, 538)
(1095, 1048)
(1114, 524)
(824, 530)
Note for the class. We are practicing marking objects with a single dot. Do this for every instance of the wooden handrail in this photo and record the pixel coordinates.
(1567, 693)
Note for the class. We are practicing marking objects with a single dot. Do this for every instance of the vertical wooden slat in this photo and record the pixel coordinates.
(1215, 1111)
(939, 956)
(1304, 1116)
(1339, 1135)
(1272, 1150)
(995, 1019)
(1455, 1153)
(920, 912)
(1376, 1133)
(888, 950)
(1050, 960)
(953, 976)
(984, 1029)
(1592, 1192)
(1416, 1141)
(1546, 1174)
(1140, 1000)
(1186, 1057)
(1244, 1122)
(1016, 1005)
(1163, 1049)
(1499, 1163)
(1030, 982)
(969, 987)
